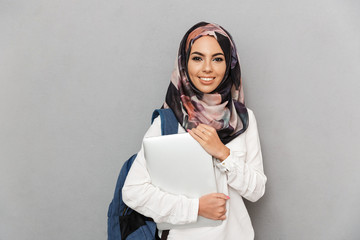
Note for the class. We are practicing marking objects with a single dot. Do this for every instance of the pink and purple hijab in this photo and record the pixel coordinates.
(224, 108)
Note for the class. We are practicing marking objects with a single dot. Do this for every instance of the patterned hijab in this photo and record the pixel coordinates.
(223, 108)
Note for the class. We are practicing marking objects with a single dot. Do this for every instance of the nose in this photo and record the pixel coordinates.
(207, 66)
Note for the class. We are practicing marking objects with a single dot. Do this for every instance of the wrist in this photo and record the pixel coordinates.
(224, 154)
(199, 207)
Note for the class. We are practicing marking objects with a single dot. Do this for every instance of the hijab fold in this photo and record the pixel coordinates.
(224, 108)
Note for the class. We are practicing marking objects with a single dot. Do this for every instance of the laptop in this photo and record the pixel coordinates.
(178, 164)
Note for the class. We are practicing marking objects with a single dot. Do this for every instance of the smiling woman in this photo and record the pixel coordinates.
(206, 66)
(206, 96)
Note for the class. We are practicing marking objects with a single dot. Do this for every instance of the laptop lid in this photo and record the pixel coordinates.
(178, 164)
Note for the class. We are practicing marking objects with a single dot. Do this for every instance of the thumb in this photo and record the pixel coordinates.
(222, 196)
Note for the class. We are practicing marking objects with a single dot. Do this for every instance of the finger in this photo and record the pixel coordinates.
(200, 134)
(201, 129)
(222, 196)
(208, 131)
(207, 127)
(196, 137)
(223, 217)
(223, 211)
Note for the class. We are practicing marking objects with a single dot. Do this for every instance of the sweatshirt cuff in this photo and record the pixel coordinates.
(229, 164)
(194, 210)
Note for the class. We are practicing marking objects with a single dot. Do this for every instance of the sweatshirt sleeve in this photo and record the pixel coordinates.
(244, 169)
(142, 196)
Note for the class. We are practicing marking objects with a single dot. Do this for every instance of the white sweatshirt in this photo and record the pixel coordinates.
(241, 175)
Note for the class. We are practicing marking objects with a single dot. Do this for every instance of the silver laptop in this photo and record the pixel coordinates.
(179, 165)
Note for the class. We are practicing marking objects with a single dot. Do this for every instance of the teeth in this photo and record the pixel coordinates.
(207, 79)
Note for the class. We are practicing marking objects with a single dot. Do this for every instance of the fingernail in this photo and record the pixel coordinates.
(227, 197)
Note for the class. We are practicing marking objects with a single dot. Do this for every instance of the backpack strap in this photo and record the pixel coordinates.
(165, 234)
(169, 123)
(118, 211)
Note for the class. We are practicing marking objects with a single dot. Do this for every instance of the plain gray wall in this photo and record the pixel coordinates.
(79, 80)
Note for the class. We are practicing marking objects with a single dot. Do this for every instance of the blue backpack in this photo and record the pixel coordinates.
(124, 222)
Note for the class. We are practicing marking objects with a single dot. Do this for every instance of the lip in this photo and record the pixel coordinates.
(207, 80)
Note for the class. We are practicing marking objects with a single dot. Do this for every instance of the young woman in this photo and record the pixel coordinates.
(207, 99)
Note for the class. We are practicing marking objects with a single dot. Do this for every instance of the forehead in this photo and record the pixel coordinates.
(206, 44)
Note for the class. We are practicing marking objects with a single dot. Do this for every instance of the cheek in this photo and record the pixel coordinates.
(221, 70)
(189, 68)
(192, 70)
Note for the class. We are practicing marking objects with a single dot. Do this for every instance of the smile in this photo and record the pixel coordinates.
(207, 78)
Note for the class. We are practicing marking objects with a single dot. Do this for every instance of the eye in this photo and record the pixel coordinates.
(218, 59)
(196, 58)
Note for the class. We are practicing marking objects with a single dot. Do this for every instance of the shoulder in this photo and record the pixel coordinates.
(171, 124)
(155, 128)
(252, 126)
(251, 115)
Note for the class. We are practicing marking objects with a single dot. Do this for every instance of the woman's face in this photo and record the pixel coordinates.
(206, 65)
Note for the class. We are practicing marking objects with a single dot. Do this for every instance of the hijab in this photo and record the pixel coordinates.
(223, 108)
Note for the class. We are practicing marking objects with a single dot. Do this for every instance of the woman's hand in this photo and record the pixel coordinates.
(213, 206)
(210, 141)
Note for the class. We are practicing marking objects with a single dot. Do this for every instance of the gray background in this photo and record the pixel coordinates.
(79, 80)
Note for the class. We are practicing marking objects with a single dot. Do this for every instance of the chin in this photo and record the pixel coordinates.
(206, 90)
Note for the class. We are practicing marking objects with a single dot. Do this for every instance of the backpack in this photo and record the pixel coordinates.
(124, 222)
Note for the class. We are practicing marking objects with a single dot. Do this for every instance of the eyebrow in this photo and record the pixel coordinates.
(199, 53)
